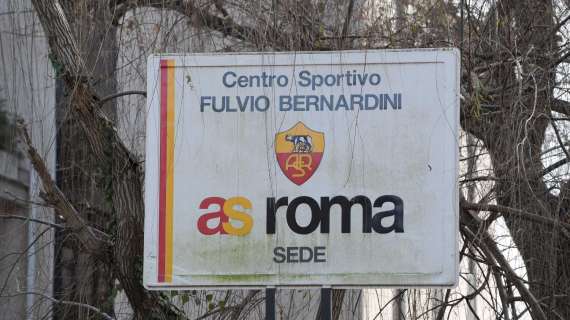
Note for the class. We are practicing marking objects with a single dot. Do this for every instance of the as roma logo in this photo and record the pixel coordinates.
(299, 152)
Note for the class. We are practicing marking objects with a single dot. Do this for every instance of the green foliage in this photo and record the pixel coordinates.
(110, 301)
(57, 67)
(7, 130)
(184, 298)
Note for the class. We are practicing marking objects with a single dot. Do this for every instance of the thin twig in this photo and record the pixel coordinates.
(71, 303)
(492, 251)
(11, 216)
(346, 25)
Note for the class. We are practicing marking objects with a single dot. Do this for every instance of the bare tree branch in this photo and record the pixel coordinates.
(121, 94)
(517, 212)
(561, 106)
(57, 199)
(490, 248)
(554, 166)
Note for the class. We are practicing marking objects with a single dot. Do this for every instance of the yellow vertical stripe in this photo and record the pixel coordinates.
(169, 171)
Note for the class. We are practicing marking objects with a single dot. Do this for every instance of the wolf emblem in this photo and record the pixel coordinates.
(301, 143)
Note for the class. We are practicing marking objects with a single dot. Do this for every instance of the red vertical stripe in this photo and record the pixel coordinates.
(162, 186)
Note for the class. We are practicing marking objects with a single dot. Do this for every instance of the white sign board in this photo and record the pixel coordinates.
(302, 169)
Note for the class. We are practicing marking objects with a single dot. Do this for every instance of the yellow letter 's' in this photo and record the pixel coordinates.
(232, 213)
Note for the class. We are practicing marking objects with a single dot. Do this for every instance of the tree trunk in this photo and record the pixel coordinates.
(110, 154)
(514, 138)
(79, 275)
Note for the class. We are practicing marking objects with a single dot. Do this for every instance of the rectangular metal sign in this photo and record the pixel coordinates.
(302, 169)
